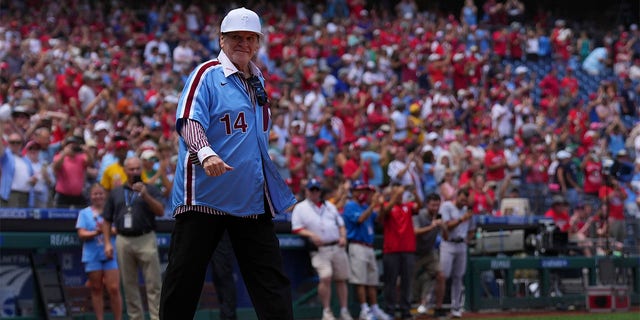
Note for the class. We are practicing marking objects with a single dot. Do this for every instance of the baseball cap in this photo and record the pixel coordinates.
(322, 143)
(563, 154)
(432, 136)
(121, 144)
(101, 125)
(147, 155)
(558, 199)
(360, 185)
(329, 172)
(314, 183)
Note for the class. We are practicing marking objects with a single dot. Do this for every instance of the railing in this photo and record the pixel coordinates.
(542, 282)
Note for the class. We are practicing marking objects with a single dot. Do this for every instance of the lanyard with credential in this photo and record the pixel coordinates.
(129, 198)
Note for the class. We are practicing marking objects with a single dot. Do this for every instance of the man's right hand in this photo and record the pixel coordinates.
(214, 166)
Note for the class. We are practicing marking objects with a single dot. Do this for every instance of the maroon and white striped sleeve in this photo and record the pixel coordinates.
(194, 136)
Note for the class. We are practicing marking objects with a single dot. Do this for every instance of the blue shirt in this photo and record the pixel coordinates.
(363, 232)
(237, 129)
(593, 62)
(8, 165)
(92, 249)
(374, 161)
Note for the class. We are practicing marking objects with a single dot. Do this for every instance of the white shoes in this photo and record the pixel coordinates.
(327, 315)
(365, 315)
(422, 309)
(380, 315)
(457, 313)
(345, 315)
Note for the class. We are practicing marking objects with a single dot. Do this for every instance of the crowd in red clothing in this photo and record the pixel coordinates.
(483, 98)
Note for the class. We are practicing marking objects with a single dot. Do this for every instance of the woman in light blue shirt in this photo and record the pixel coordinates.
(102, 272)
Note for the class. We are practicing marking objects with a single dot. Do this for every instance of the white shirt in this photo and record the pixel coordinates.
(86, 94)
(21, 176)
(315, 103)
(324, 221)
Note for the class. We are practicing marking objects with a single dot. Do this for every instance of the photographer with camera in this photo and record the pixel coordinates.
(132, 208)
(70, 169)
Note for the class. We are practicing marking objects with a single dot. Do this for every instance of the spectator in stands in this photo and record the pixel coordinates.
(580, 225)
(354, 167)
(593, 178)
(131, 209)
(17, 180)
(359, 215)
(42, 136)
(399, 247)
(567, 178)
(406, 168)
(496, 165)
(559, 212)
(613, 194)
(447, 188)
(481, 195)
(114, 174)
(70, 169)
(102, 271)
(597, 60)
(154, 171)
(321, 224)
(428, 226)
(42, 173)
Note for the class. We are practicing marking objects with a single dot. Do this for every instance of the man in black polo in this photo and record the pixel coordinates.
(132, 209)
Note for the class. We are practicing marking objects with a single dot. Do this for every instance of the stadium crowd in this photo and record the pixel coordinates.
(349, 85)
(481, 99)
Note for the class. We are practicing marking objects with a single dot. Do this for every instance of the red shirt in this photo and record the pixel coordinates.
(350, 167)
(480, 201)
(70, 176)
(500, 43)
(615, 201)
(570, 83)
(492, 157)
(398, 229)
(561, 219)
(592, 176)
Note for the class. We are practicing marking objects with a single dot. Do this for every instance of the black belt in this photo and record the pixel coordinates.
(456, 240)
(133, 233)
(361, 243)
(328, 244)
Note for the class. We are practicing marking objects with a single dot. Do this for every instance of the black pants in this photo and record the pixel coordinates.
(222, 273)
(68, 201)
(257, 249)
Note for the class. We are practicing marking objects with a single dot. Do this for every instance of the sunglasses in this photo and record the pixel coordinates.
(15, 142)
(261, 94)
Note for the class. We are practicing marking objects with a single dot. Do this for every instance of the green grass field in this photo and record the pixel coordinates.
(590, 316)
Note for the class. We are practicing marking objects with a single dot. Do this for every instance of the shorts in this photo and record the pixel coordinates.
(331, 262)
(101, 265)
(364, 266)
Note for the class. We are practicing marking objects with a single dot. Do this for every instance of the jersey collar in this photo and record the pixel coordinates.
(229, 68)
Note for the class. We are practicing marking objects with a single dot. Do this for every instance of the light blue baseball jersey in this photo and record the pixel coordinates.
(238, 131)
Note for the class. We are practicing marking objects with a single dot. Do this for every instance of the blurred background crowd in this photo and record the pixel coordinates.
(497, 97)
